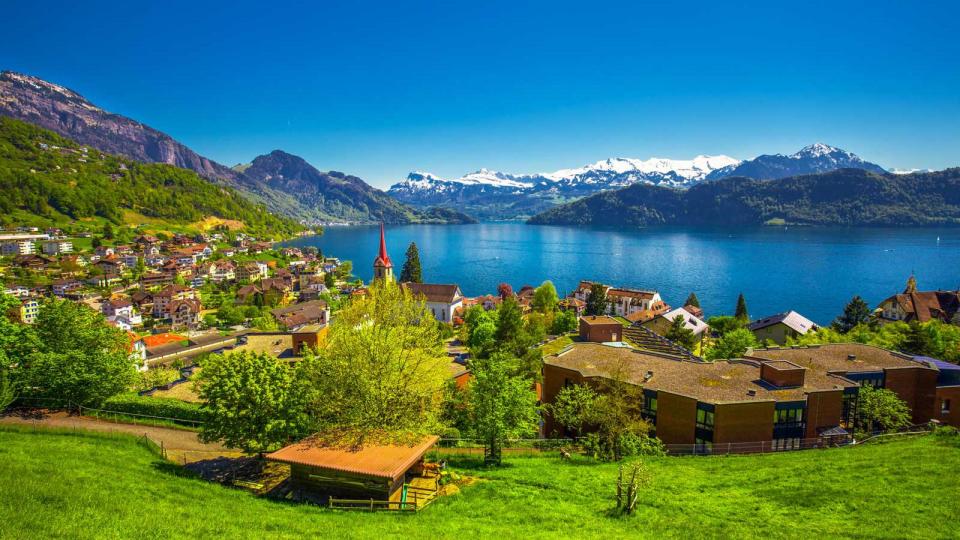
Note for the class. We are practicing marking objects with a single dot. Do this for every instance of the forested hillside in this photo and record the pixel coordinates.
(841, 197)
(56, 180)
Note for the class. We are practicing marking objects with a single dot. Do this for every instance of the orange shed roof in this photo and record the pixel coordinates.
(162, 339)
(379, 460)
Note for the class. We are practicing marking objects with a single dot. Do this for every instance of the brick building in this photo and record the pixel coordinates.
(785, 398)
(600, 329)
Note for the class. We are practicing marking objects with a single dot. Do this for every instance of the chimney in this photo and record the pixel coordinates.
(648, 376)
(751, 392)
(851, 357)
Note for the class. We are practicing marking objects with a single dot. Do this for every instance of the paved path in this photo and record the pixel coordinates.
(182, 446)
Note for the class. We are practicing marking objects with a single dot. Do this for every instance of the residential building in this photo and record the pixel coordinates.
(443, 300)
(169, 294)
(779, 327)
(600, 329)
(921, 306)
(252, 271)
(62, 287)
(57, 247)
(661, 323)
(121, 310)
(625, 302)
(780, 398)
(19, 291)
(183, 313)
(305, 313)
(155, 279)
(29, 308)
(18, 247)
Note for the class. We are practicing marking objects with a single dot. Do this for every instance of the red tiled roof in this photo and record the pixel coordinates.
(162, 339)
(383, 259)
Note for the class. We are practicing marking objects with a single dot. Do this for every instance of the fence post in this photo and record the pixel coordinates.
(371, 505)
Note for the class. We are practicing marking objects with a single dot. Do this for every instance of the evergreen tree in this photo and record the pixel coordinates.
(679, 333)
(856, 312)
(411, 268)
(741, 312)
(597, 300)
(692, 300)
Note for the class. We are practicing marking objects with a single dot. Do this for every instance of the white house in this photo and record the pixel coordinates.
(18, 247)
(442, 300)
(57, 247)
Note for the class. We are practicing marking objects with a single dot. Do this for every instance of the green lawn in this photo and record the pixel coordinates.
(97, 486)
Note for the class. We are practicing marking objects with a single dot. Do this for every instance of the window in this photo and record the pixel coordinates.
(944, 406)
(790, 443)
(788, 416)
(849, 412)
(704, 419)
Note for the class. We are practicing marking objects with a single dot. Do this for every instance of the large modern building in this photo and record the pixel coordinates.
(780, 398)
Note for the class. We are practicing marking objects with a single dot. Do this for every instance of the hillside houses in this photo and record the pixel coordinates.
(637, 305)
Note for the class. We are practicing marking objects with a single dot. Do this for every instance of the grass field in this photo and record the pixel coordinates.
(78, 485)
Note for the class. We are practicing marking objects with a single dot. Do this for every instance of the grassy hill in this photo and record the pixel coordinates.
(80, 485)
(46, 179)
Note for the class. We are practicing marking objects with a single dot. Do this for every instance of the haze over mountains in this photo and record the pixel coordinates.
(286, 184)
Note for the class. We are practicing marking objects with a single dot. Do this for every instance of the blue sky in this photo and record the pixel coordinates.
(380, 89)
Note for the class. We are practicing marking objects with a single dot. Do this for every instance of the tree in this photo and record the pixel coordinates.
(504, 290)
(856, 312)
(612, 414)
(880, 409)
(732, 345)
(597, 300)
(501, 406)
(679, 333)
(411, 267)
(509, 322)
(344, 271)
(692, 300)
(330, 280)
(565, 322)
(252, 401)
(383, 367)
(545, 298)
(741, 313)
(78, 357)
(8, 391)
(639, 477)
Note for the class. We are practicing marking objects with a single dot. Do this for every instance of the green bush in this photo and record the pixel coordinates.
(155, 377)
(154, 406)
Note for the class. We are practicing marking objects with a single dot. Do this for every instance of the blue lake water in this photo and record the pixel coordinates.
(812, 270)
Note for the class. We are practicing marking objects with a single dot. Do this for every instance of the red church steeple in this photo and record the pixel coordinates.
(382, 265)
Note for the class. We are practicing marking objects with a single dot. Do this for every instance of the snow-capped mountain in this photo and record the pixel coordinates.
(813, 159)
(497, 195)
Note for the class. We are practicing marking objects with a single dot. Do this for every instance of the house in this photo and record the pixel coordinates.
(302, 314)
(378, 472)
(110, 265)
(19, 291)
(106, 280)
(441, 299)
(183, 313)
(252, 271)
(921, 306)
(781, 326)
(18, 247)
(572, 304)
(121, 310)
(771, 399)
(143, 301)
(57, 247)
(138, 351)
(247, 294)
(661, 323)
(62, 287)
(600, 329)
(32, 262)
(29, 309)
(155, 279)
(168, 294)
(624, 302)
(103, 251)
(219, 271)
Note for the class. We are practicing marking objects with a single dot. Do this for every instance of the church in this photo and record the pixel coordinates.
(443, 300)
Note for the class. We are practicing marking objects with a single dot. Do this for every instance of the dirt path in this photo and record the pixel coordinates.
(182, 446)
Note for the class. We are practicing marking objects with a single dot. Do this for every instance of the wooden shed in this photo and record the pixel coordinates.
(373, 471)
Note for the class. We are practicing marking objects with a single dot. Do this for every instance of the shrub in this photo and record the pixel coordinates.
(154, 378)
(153, 406)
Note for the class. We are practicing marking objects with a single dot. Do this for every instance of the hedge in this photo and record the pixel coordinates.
(156, 406)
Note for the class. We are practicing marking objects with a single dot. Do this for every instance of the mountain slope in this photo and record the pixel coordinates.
(333, 195)
(47, 179)
(841, 197)
(301, 195)
(813, 159)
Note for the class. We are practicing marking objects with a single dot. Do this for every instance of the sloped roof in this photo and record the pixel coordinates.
(690, 321)
(441, 293)
(793, 320)
(378, 460)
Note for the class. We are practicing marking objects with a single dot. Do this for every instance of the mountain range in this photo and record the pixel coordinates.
(286, 184)
(847, 197)
(497, 195)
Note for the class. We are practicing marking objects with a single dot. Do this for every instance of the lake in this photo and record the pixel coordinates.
(814, 271)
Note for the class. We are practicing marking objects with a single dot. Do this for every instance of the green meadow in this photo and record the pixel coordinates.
(81, 485)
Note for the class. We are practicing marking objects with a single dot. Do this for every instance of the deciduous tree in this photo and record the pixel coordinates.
(502, 406)
(732, 345)
(881, 409)
(545, 298)
(253, 402)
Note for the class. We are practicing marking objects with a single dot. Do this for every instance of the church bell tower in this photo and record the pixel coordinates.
(382, 265)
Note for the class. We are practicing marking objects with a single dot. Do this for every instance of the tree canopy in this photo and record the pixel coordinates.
(596, 300)
(545, 298)
(501, 406)
(741, 312)
(856, 312)
(411, 271)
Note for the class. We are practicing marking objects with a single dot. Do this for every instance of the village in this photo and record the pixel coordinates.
(690, 384)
